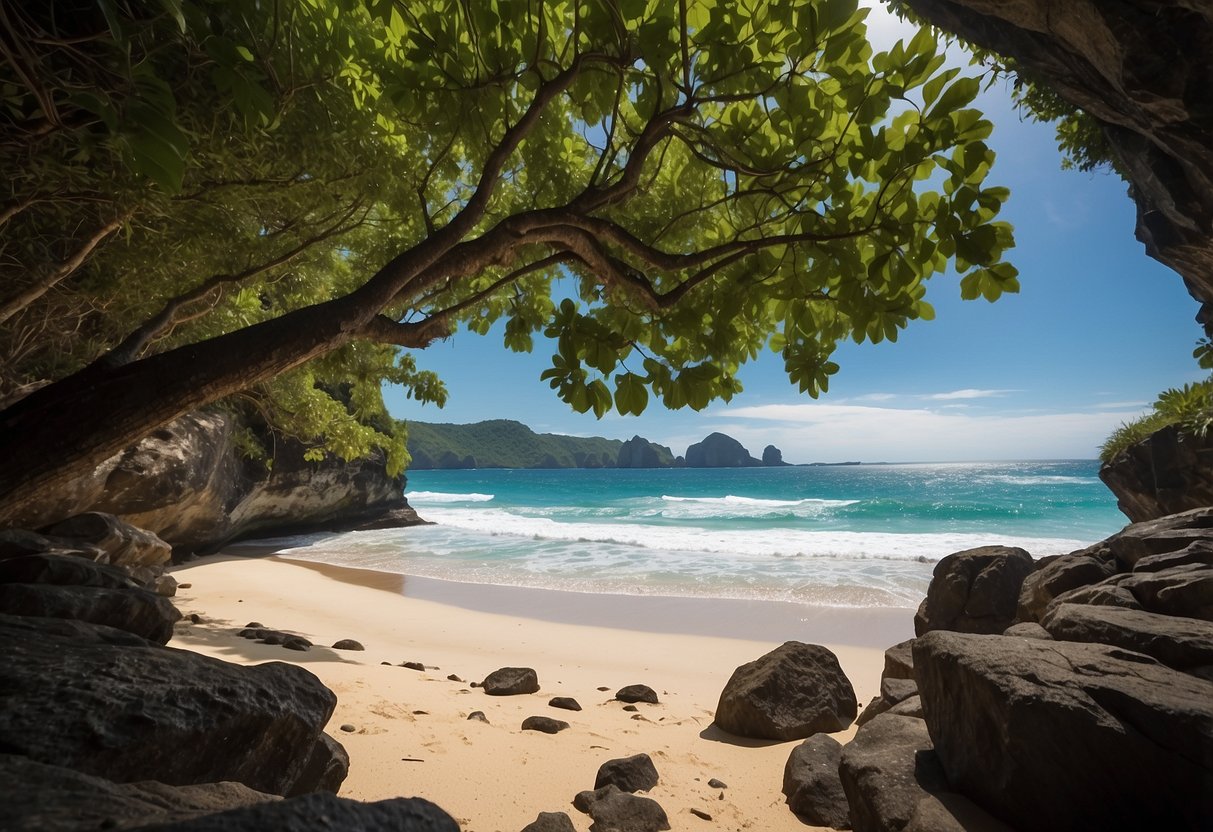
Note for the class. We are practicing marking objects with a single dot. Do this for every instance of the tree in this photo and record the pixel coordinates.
(707, 179)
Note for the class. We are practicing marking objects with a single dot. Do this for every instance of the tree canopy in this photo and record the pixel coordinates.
(282, 199)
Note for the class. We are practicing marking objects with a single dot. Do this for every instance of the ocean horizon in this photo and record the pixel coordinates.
(832, 535)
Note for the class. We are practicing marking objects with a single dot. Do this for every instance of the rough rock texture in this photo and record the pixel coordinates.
(47, 798)
(1027, 629)
(1130, 742)
(950, 812)
(550, 822)
(106, 702)
(544, 724)
(974, 591)
(630, 774)
(887, 770)
(137, 611)
(1057, 576)
(622, 812)
(564, 703)
(637, 693)
(1165, 473)
(322, 812)
(1156, 537)
(327, 767)
(511, 681)
(187, 483)
(1141, 68)
(793, 692)
(719, 451)
(639, 452)
(124, 544)
(1181, 590)
(16, 543)
(62, 570)
(1177, 642)
(811, 784)
(899, 661)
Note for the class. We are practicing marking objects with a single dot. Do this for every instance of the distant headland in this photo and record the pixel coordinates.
(504, 443)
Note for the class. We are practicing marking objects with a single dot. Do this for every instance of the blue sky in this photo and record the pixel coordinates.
(1097, 331)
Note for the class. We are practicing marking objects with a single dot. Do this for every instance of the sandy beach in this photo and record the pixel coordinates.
(411, 735)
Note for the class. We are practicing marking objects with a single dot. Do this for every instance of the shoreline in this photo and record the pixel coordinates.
(410, 732)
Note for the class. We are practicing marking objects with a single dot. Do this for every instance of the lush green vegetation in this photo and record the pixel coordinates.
(275, 198)
(1190, 407)
(502, 443)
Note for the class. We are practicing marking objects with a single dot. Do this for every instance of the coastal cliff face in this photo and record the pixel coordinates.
(1142, 69)
(719, 451)
(1166, 473)
(189, 484)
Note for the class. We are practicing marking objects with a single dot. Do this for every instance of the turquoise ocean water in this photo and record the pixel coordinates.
(852, 536)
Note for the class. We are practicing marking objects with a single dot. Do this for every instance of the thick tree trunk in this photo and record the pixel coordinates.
(64, 429)
(1143, 69)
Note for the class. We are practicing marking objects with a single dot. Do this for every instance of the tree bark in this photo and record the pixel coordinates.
(1142, 68)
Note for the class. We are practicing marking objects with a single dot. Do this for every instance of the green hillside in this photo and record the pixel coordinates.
(502, 443)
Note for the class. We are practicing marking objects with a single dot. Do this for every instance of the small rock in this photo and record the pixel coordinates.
(544, 723)
(349, 729)
(195, 618)
(348, 644)
(389, 664)
(631, 774)
(300, 644)
(454, 678)
(566, 703)
(636, 693)
(254, 625)
(631, 708)
(511, 681)
(413, 665)
(273, 638)
(603, 687)
(550, 822)
(185, 586)
(478, 716)
(717, 784)
(699, 813)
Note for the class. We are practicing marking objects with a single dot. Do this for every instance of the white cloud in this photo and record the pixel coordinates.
(873, 397)
(969, 393)
(840, 432)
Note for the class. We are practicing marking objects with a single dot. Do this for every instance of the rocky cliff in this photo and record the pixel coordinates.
(639, 452)
(1142, 69)
(719, 451)
(189, 484)
(1166, 473)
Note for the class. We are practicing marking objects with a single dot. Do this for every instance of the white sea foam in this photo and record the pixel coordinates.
(444, 497)
(739, 543)
(730, 500)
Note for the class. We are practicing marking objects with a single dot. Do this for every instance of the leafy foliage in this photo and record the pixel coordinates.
(712, 179)
(1190, 407)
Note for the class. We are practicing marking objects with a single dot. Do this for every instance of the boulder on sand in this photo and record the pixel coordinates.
(811, 783)
(974, 591)
(511, 681)
(792, 692)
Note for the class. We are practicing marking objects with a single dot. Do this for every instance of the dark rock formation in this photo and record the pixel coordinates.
(550, 822)
(62, 570)
(629, 774)
(1165, 473)
(189, 484)
(327, 767)
(565, 703)
(974, 591)
(1058, 576)
(108, 703)
(618, 811)
(792, 692)
(47, 798)
(1052, 735)
(811, 784)
(124, 544)
(636, 693)
(137, 611)
(772, 456)
(544, 724)
(583, 800)
(1141, 68)
(1156, 537)
(1181, 643)
(348, 644)
(950, 812)
(322, 811)
(887, 770)
(719, 451)
(639, 452)
(511, 681)
(1027, 629)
